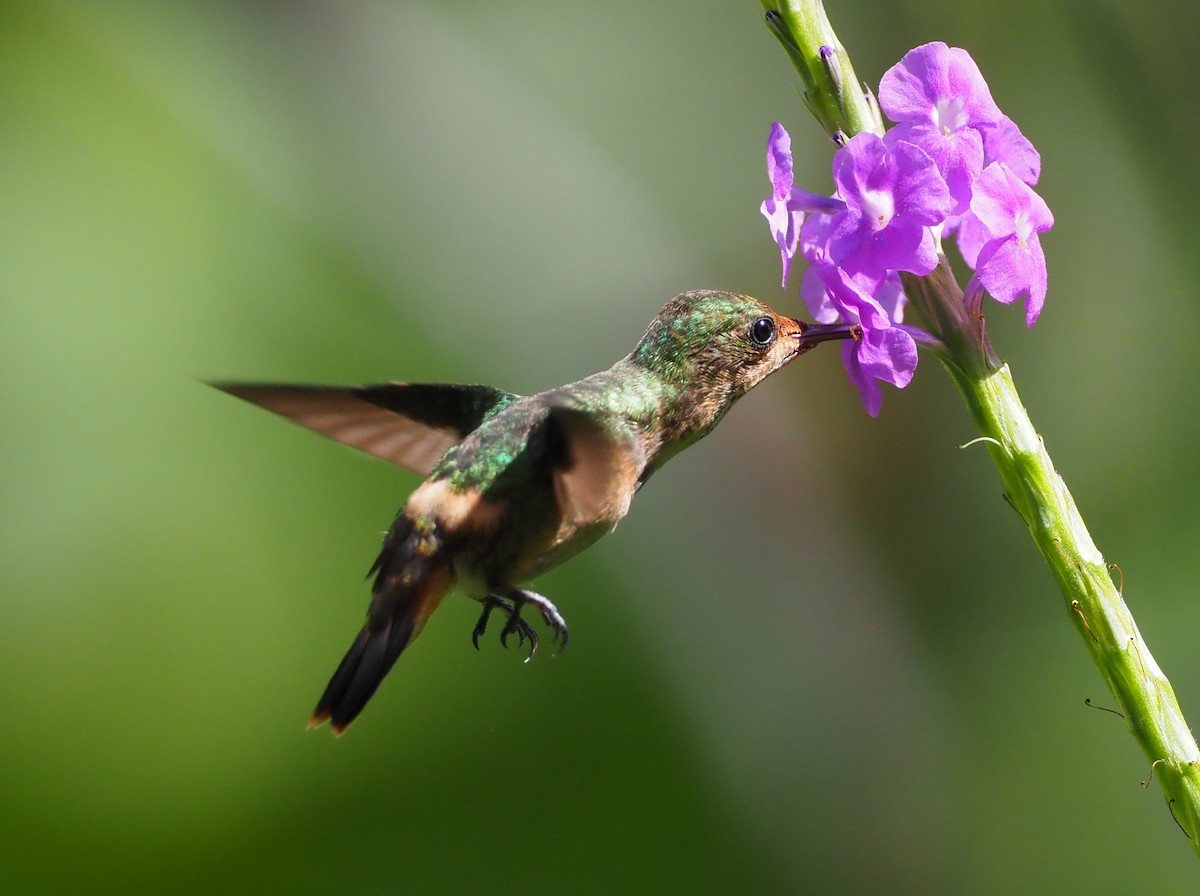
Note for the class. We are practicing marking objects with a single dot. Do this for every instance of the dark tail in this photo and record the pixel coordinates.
(412, 574)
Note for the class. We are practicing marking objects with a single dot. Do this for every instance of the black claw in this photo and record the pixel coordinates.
(531, 632)
(522, 629)
(513, 625)
(490, 603)
(514, 619)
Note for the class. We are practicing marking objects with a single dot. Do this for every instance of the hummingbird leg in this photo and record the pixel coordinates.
(553, 618)
(522, 628)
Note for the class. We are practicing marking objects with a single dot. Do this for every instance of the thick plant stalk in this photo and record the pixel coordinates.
(1093, 603)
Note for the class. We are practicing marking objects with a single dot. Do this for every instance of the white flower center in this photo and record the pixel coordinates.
(949, 115)
(879, 206)
(1022, 227)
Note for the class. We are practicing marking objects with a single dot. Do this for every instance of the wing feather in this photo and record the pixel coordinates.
(599, 465)
(410, 425)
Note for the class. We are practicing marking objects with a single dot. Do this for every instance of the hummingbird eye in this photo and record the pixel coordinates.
(762, 331)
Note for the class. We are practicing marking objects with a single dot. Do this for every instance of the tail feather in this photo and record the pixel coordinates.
(412, 576)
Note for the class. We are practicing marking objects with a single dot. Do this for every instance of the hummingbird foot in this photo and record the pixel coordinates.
(550, 614)
(515, 623)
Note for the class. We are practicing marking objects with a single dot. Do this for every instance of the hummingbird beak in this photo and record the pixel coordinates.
(809, 335)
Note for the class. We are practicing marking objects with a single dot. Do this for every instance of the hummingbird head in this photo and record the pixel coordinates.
(726, 342)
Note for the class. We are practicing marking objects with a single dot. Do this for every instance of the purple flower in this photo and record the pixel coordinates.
(954, 164)
(1011, 264)
(784, 209)
(893, 195)
(939, 101)
(885, 353)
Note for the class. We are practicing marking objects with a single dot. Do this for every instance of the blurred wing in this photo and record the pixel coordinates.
(598, 465)
(410, 425)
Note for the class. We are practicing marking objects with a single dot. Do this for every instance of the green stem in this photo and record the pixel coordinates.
(831, 89)
(1038, 493)
(1093, 604)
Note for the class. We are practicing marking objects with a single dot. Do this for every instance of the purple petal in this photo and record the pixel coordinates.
(1004, 142)
(888, 355)
(814, 237)
(970, 235)
(1011, 269)
(868, 388)
(779, 162)
(860, 168)
(904, 246)
(905, 89)
(940, 85)
(784, 223)
(958, 155)
(816, 296)
(814, 246)
(1005, 204)
(853, 296)
(921, 191)
(891, 298)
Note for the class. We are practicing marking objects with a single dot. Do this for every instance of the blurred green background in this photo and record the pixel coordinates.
(821, 655)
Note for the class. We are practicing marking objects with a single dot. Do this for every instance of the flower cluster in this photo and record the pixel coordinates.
(953, 163)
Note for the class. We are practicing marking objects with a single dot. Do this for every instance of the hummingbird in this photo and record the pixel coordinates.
(515, 485)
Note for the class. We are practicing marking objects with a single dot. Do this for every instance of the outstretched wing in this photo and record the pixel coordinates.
(410, 425)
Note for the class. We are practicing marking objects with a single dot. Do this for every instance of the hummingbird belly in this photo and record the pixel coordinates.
(497, 543)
